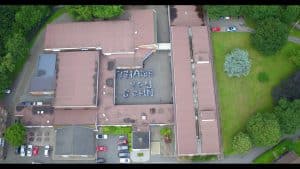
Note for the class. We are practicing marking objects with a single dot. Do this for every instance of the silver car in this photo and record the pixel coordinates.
(123, 147)
(22, 151)
(29, 150)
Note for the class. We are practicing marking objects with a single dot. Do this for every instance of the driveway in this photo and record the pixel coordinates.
(111, 155)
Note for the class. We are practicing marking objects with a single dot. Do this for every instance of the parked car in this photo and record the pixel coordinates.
(35, 150)
(100, 160)
(46, 151)
(122, 142)
(123, 147)
(7, 91)
(124, 154)
(2, 142)
(18, 150)
(101, 136)
(231, 29)
(29, 150)
(101, 148)
(215, 29)
(23, 151)
(124, 160)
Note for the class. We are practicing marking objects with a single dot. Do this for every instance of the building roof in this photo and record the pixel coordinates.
(70, 140)
(141, 140)
(75, 117)
(111, 36)
(44, 77)
(289, 157)
(209, 130)
(205, 87)
(76, 79)
(200, 43)
(184, 106)
(187, 16)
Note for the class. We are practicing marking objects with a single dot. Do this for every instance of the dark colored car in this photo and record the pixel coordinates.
(124, 155)
(18, 150)
(100, 160)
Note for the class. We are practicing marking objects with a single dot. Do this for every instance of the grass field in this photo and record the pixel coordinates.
(241, 97)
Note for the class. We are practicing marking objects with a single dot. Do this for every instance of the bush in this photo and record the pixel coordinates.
(204, 158)
(237, 63)
(241, 142)
(15, 134)
(264, 129)
(263, 77)
(270, 35)
(294, 56)
(288, 89)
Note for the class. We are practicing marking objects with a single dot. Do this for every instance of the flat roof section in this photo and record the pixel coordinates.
(44, 77)
(210, 142)
(76, 79)
(184, 106)
(200, 43)
(141, 140)
(186, 16)
(205, 87)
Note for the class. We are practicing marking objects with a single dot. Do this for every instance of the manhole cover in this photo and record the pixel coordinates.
(110, 82)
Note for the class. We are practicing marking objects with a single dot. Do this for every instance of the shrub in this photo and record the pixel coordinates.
(263, 77)
(15, 134)
(294, 56)
(204, 158)
(237, 63)
(140, 154)
(264, 129)
(241, 142)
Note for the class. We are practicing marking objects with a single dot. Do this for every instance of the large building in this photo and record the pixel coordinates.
(88, 56)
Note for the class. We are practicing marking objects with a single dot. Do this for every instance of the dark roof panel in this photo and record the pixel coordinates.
(140, 140)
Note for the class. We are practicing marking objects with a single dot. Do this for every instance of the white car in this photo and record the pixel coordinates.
(46, 151)
(29, 150)
(124, 160)
(101, 136)
(231, 29)
(22, 151)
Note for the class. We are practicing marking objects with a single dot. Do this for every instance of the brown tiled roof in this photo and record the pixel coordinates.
(111, 36)
(184, 106)
(75, 78)
(210, 143)
(200, 43)
(205, 87)
(186, 16)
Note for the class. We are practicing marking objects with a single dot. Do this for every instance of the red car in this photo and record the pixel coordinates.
(35, 151)
(124, 141)
(101, 148)
(215, 29)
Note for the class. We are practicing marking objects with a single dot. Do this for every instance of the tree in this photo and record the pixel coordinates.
(288, 115)
(29, 17)
(216, 11)
(294, 56)
(288, 89)
(264, 129)
(241, 142)
(237, 63)
(15, 134)
(107, 11)
(90, 12)
(17, 46)
(270, 35)
(166, 132)
(7, 63)
(259, 12)
(290, 13)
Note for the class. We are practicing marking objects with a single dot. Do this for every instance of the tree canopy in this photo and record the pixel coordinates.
(260, 12)
(90, 12)
(216, 11)
(237, 63)
(17, 46)
(288, 115)
(290, 14)
(15, 134)
(270, 35)
(241, 142)
(264, 129)
(288, 89)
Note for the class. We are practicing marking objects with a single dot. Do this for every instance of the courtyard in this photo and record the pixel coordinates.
(150, 85)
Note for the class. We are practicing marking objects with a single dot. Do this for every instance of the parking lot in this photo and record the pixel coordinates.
(111, 155)
(151, 85)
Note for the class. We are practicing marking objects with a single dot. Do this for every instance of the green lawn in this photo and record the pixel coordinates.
(296, 147)
(241, 97)
(295, 32)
